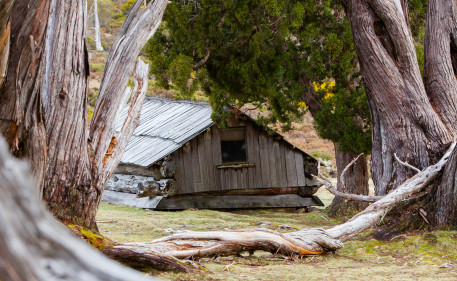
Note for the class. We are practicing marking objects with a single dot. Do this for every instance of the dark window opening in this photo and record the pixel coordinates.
(233, 151)
(233, 145)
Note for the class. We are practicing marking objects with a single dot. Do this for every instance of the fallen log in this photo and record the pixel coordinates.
(304, 242)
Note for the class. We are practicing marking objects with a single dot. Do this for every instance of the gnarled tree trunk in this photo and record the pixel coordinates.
(44, 98)
(34, 246)
(409, 117)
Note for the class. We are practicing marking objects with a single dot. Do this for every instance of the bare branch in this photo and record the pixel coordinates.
(119, 142)
(136, 30)
(203, 60)
(348, 196)
(406, 164)
(380, 208)
(328, 185)
(345, 169)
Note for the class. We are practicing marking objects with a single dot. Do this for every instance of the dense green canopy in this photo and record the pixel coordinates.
(268, 54)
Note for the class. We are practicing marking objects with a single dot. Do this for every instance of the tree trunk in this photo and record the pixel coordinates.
(34, 246)
(5, 11)
(356, 177)
(356, 182)
(411, 118)
(98, 43)
(44, 99)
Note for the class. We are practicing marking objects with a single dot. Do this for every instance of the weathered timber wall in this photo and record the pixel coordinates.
(275, 163)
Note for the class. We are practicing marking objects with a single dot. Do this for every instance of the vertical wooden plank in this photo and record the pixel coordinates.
(239, 179)
(227, 179)
(251, 154)
(282, 153)
(290, 166)
(179, 174)
(203, 163)
(233, 179)
(195, 165)
(280, 165)
(217, 157)
(245, 178)
(209, 160)
(272, 162)
(258, 160)
(188, 170)
(266, 182)
(300, 168)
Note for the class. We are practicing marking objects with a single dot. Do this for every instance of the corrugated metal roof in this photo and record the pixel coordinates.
(165, 125)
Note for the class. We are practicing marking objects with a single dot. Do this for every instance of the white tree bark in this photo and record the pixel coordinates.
(98, 43)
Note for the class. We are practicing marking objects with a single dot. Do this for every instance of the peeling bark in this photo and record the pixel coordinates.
(396, 93)
(43, 101)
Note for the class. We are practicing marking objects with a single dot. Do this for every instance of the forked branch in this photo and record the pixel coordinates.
(130, 121)
(348, 196)
(139, 26)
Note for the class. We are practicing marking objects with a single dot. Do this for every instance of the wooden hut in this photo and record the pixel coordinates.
(179, 159)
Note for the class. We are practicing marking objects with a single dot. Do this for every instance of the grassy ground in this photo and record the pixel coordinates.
(430, 256)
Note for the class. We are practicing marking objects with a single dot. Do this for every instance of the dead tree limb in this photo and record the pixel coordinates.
(139, 26)
(348, 196)
(376, 211)
(345, 169)
(131, 120)
(406, 164)
(304, 242)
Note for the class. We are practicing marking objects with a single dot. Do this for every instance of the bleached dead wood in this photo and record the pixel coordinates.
(139, 26)
(34, 246)
(348, 196)
(192, 245)
(120, 140)
(98, 43)
(304, 242)
(376, 211)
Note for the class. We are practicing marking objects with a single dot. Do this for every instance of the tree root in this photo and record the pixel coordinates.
(149, 262)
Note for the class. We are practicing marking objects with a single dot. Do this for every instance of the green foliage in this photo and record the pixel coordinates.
(324, 155)
(127, 6)
(344, 118)
(97, 67)
(265, 53)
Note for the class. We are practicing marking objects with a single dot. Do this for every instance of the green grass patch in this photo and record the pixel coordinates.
(324, 155)
(430, 256)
